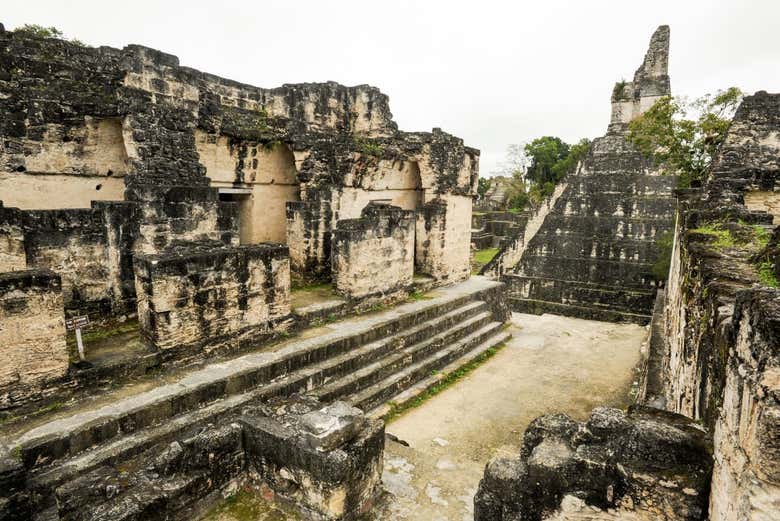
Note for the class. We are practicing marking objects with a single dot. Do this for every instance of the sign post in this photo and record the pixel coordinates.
(76, 323)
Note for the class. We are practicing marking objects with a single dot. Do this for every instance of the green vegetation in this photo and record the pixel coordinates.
(247, 505)
(535, 168)
(89, 336)
(664, 243)
(482, 257)
(483, 185)
(762, 235)
(766, 274)
(619, 90)
(415, 296)
(369, 148)
(723, 236)
(45, 32)
(396, 410)
(683, 146)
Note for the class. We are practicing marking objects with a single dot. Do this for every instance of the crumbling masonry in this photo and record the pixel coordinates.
(588, 251)
(706, 442)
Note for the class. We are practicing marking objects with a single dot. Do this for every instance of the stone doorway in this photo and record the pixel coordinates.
(242, 196)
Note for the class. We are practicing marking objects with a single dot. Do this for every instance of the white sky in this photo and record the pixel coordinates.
(493, 73)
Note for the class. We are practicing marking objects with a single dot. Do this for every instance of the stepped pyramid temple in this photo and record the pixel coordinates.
(208, 287)
(589, 250)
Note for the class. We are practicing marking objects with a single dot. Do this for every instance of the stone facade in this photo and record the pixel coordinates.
(91, 249)
(122, 170)
(719, 363)
(207, 298)
(32, 334)
(374, 255)
(593, 254)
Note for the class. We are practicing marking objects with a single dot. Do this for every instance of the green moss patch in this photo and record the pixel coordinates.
(396, 410)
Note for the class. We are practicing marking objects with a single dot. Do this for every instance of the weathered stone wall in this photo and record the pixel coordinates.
(593, 255)
(651, 82)
(719, 361)
(32, 334)
(443, 243)
(374, 255)
(309, 238)
(207, 299)
(646, 464)
(141, 119)
(91, 249)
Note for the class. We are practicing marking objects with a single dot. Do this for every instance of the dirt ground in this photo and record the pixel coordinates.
(552, 364)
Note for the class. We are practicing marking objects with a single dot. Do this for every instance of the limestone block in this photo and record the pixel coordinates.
(374, 255)
(32, 334)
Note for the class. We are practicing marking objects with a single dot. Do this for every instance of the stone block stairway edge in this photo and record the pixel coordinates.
(365, 361)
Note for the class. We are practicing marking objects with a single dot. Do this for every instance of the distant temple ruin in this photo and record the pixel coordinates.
(588, 251)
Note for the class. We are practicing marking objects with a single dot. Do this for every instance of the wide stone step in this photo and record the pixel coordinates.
(383, 390)
(539, 307)
(297, 359)
(624, 298)
(399, 359)
(410, 393)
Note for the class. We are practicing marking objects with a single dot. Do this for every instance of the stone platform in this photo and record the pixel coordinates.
(364, 361)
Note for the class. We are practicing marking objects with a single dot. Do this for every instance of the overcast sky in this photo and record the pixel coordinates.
(493, 73)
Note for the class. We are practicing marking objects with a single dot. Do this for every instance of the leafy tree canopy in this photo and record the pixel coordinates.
(685, 145)
(536, 167)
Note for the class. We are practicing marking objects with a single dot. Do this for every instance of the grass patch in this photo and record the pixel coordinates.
(246, 505)
(482, 257)
(93, 335)
(762, 235)
(723, 237)
(415, 296)
(766, 273)
(328, 319)
(396, 410)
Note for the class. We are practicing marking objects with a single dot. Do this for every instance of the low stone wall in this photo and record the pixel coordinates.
(32, 334)
(309, 238)
(204, 299)
(90, 248)
(374, 255)
(646, 464)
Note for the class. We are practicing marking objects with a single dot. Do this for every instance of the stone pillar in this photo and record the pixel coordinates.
(374, 255)
(32, 334)
(444, 238)
(326, 460)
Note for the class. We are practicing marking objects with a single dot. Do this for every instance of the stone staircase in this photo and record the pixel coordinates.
(366, 361)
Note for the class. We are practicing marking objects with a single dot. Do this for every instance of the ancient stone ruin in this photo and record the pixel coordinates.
(588, 251)
(132, 186)
(707, 443)
(263, 275)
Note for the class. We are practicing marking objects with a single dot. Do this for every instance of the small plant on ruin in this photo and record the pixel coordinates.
(45, 32)
(619, 90)
(766, 274)
(682, 145)
(722, 236)
(368, 148)
(664, 244)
